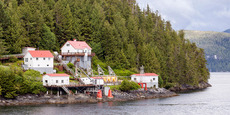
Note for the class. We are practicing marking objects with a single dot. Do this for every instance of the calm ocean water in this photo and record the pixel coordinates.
(211, 101)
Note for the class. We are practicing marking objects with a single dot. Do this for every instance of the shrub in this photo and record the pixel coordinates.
(70, 65)
(129, 85)
(124, 78)
(13, 59)
(114, 87)
(169, 85)
(160, 80)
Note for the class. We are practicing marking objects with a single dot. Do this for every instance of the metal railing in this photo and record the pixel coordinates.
(77, 53)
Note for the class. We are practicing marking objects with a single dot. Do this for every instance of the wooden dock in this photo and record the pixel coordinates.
(70, 86)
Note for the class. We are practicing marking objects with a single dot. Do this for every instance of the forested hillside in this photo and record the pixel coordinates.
(121, 35)
(227, 31)
(216, 46)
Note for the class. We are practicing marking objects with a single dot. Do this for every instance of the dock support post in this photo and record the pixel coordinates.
(58, 93)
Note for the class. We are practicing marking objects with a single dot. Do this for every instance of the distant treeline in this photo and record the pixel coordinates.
(216, 47)
(120, 33)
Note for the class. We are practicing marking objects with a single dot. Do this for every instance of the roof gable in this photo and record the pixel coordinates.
(97, 77)
(41, 53)
(58, 75)
(146, 74)
(79, 44)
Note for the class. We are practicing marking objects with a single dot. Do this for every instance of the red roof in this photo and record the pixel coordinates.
(79, 44)
(58, 75)
(40, 53)
(146, 74)
(97, 77)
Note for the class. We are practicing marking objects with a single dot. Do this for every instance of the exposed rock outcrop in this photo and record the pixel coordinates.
(87, 98)
(186, 87)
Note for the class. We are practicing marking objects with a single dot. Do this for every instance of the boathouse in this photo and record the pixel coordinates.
(55, 79)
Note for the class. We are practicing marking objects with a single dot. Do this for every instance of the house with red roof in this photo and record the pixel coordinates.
(77, 52)
(149, 79)
(39, 60)
(55, 79)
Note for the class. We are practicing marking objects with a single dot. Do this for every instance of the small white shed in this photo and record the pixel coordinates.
(55, 79)
(98, 80)
(86, 80)
(151, 79)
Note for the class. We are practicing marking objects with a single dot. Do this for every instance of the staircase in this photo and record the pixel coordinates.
(66, 90)
(65, 66)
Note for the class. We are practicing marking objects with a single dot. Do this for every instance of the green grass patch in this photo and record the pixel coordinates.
(123, 72)
(74, 81)
(114, 87)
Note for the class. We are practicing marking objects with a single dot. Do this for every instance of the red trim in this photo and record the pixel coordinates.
(96, 77)
(58, 75)
(146, 74)
(142, 85)
(41, 53)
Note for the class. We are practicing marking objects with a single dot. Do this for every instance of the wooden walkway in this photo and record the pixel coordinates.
(6, 57)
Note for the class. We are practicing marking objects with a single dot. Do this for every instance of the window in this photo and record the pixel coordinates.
(38, 64)
(68, 51)
(26, 59)
(36, 58)
(62, 81)
(44, 58)
(48, 58)
(30, 58)
(46, 81)
(135, 78)
(56, 81)
(47, 64)
(67, 44)
(153, 79)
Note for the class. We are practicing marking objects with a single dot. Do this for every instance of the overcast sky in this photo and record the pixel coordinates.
(203, 15)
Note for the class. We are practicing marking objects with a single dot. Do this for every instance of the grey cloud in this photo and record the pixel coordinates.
(204, 15)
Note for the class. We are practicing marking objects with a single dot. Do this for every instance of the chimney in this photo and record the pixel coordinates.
(142, 70)
(74, 40)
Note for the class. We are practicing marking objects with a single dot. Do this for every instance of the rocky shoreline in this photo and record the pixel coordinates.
(186, 87)
(86, 98)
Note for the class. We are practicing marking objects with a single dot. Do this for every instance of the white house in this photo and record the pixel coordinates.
(40, 60)
(77, 52)
(151, 79)
(55, 79)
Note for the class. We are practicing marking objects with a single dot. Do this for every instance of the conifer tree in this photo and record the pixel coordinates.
(48, 37)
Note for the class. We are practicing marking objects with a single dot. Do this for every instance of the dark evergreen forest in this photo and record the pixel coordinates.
(119, 32)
